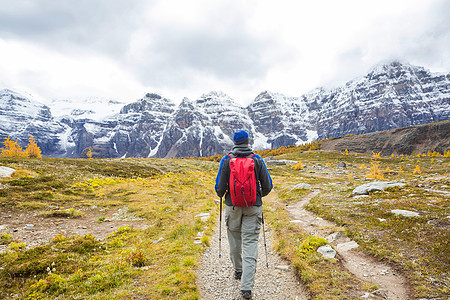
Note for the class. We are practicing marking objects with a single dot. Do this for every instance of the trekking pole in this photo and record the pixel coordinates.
(220, 229)
(264, 235)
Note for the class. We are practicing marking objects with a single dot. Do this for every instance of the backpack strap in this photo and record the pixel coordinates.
(231, 155)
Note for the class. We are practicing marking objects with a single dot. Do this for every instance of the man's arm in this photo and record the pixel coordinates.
(222, 178)
(264, 178)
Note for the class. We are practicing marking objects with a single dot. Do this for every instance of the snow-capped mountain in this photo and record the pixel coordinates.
(389, 96)
(96, 109)
(21, 116)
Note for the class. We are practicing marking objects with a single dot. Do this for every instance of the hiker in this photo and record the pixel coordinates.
(243, 222)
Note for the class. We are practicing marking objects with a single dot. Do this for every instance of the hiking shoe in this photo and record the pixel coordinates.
(237, 275)
(247, 294)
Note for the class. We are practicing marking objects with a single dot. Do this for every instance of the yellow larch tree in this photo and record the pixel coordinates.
(12, 149)
(32, 149)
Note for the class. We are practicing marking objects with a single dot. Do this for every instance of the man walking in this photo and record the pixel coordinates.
(243, 218)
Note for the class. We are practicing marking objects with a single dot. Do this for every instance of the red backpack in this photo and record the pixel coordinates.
(242, 181)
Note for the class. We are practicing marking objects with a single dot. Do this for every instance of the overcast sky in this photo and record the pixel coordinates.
(123, 49)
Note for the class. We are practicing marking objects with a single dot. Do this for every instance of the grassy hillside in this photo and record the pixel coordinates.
(418, 246)
(153, 257)
(153, 241)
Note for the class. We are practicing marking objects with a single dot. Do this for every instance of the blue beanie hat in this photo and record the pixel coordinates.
(240, 136)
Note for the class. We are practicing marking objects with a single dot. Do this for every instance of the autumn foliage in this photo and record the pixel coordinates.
(13, 149)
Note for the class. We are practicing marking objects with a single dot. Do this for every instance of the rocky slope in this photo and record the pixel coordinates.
(406, 140)
(390, 96)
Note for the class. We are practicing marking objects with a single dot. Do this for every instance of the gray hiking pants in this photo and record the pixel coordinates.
(243, 226)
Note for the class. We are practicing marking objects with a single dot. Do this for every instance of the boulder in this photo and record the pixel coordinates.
(347, 246)
(375, 186)
(279, 162)
(6, 172)
(405, 213)
(327, 251)
(302, 186)
(342, 165)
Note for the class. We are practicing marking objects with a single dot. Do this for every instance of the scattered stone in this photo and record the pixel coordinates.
(342, 165)
(278, 162)
(282, 268)
(375, 186)
(347, 246)
(158, 240)
(197, 242)
(381, 220)
(29, 226)
(6, 172)
(296, 221)
(381, 293)
(302, 186)
(405, 213)
(333, 237)
(7, 217)
(327, 251)
(203, 216)
(200, 234)
(123, 215)
(366, 295)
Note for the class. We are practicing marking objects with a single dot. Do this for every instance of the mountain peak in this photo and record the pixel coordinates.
(215, 94)
(151, 102)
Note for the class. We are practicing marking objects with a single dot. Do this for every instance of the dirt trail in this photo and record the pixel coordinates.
(391, 283)
(216, 275)
(44, 229)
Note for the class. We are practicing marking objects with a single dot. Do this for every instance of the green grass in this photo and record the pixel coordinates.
(128, 263)
(161, 261)
(419, 246)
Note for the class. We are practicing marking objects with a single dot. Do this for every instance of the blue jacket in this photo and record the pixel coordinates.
(263, 181)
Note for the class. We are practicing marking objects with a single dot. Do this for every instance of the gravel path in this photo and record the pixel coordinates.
(216, 275)
(391, 283)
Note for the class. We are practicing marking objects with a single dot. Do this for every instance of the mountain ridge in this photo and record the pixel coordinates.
(389, 96)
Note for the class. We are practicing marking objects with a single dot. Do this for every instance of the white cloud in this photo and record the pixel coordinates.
(185, 48)
(54, 75)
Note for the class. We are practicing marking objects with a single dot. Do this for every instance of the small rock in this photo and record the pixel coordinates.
(29, 226)
(6, 172)
(342, 165)
(327, 251)
(381, 220)
(158, 240)
(405, 213)
(203, 216)
(381, 293)
(197, 242)
(302, 186)
(333, 237)
(283, 268)
(375, 186)
(296, 221)
(7, 217)
(347, 246)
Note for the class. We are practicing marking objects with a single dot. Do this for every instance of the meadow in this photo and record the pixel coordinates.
(154, 253)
